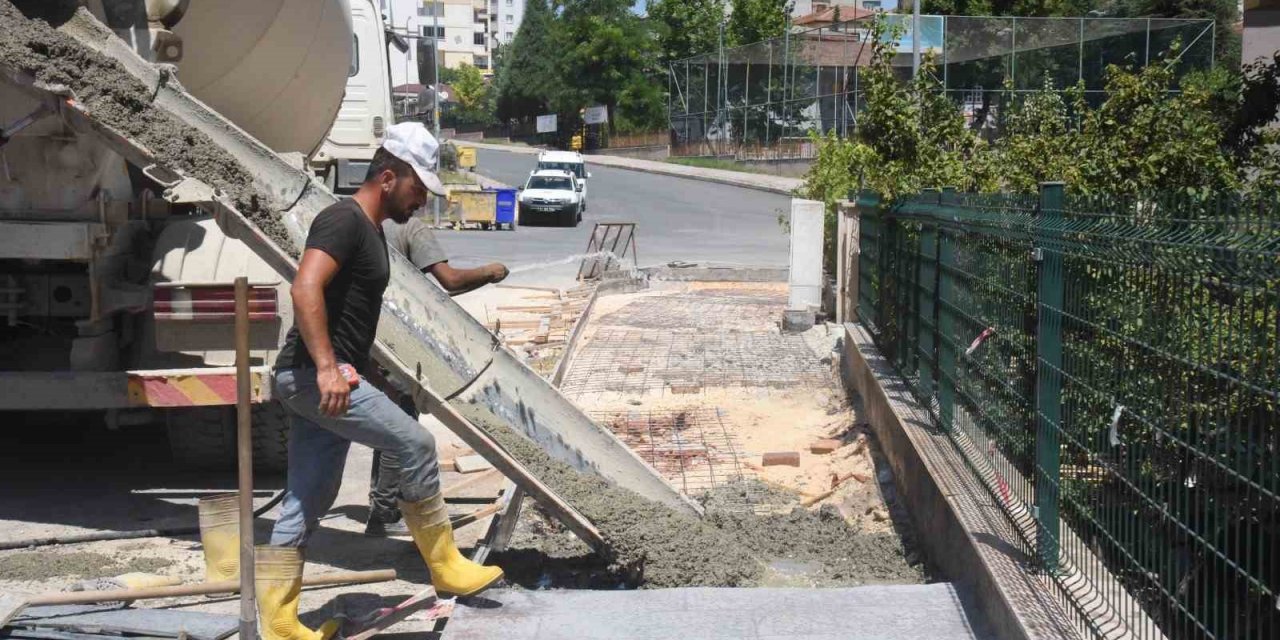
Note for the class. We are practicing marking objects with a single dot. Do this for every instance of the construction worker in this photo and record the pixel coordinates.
(326, 380)
(415, 241)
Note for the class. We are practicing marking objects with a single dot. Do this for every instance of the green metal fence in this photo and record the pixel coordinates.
(1109, 368)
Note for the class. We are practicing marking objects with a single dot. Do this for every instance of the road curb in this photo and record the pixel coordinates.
(785, 187)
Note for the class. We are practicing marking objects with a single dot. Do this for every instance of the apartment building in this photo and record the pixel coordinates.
(807, 7)
(507, 15)
(466, 31)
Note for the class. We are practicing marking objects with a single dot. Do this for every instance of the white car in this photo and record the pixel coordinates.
(570, 161)
(553, 196)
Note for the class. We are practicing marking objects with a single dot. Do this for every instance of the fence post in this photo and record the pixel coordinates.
(848, 256)
(1049, 301)
(946, 321)
(868, 203)
(926, 277)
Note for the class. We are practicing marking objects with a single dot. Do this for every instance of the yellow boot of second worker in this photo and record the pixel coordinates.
(277, 579)
(220, 536)
(451, 573)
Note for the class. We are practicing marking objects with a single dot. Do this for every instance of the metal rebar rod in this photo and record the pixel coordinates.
(203, 588)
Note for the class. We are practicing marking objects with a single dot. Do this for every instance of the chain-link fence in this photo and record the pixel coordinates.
(760, 101)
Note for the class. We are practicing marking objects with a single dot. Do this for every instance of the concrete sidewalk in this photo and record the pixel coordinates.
(875, 612)
(759, 181)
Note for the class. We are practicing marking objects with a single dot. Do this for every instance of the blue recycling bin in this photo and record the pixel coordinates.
(506, 213)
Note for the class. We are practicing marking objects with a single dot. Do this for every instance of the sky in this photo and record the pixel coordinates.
(638, 6)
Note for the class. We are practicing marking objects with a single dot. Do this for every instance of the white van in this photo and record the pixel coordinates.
(570, 161)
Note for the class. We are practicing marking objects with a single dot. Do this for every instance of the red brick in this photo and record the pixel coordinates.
(778, 458)
(825, 445)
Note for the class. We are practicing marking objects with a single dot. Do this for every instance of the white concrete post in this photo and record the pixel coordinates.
(805, 279)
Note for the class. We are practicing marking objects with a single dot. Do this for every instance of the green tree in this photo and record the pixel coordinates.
(686, 27)
(603, 50)
(526, 73)
(755, 20)
(471, 97)
(1145, 139)
(908, 137)
(468, 86)
(1021, 8)
(1225, 12)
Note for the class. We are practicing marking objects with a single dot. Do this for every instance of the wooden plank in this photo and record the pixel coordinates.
(478, 514)
(514, 324)
(555, 290)
(203, 588)
(503, 524)
(533, 308)
(10, 607)
(453, 489)
(471, 464)
(382, 619)
(509, 517)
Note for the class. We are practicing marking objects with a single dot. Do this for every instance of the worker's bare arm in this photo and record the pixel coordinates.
(459, 281)
(315, 273)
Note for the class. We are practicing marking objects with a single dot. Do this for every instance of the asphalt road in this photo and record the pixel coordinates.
(677, 219)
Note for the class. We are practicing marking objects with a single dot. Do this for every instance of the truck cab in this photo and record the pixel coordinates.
(570, 161)
(366, 111)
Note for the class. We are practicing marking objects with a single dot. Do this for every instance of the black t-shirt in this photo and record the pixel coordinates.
(353, 299)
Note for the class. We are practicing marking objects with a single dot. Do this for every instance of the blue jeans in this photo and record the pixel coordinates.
(318, 447)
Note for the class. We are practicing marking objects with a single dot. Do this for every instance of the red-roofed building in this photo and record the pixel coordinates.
(825, 16)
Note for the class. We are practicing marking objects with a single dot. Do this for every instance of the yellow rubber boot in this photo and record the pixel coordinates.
(451, 573)
(220, 537)
(277, 579)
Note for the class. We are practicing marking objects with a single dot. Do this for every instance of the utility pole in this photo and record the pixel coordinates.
(915, 37)
(436, 7)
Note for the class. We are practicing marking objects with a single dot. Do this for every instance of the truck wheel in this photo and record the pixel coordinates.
(270, 437)
(202, 437)
(205, 437)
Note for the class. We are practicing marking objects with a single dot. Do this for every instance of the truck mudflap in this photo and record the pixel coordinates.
(154, 388)
(424, 338)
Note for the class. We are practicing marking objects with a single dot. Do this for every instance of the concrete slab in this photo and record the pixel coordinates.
(874, 612)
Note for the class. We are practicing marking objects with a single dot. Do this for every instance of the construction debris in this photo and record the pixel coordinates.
(382, 619)
(471, 464)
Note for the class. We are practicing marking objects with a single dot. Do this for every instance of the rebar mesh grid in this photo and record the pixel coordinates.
(626, 360)
(708, 311)
(691, 447)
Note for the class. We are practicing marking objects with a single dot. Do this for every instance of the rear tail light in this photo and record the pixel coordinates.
(379, 126)
(213, 303)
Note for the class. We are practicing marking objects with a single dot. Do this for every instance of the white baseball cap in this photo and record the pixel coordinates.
(412, 143)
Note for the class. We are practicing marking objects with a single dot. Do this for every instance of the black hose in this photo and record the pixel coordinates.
(126, 535)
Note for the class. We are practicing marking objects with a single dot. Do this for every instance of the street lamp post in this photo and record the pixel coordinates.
(915, 37)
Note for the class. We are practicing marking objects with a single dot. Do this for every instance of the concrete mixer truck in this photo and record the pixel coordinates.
(87, 246)
(116, 300)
